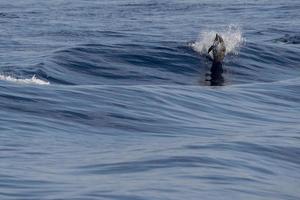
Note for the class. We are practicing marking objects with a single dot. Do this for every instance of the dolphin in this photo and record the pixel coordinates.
(218, 48)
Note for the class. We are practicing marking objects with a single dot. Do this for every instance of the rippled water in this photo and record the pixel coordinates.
(110, 100)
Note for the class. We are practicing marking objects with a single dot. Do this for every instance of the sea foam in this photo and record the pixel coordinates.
(232, 35)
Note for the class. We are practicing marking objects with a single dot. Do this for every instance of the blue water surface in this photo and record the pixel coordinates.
(108, 100)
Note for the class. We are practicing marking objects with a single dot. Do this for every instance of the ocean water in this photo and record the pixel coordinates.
(111, 99)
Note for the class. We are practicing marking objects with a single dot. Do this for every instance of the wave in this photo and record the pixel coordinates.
(124, 64)
(160, 63)
(232, 36)
(289, 39)
(32, 80)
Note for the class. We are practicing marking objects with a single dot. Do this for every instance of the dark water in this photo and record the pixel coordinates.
(109, 100)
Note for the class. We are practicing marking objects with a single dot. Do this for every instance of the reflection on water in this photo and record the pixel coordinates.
(216, 74)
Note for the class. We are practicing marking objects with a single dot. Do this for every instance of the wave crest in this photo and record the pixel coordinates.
(32, 80)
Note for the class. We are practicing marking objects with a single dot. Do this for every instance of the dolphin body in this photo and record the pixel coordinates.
(218, 49)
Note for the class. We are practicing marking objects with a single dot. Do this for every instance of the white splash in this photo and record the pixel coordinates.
(232, 36)
(32, 80)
